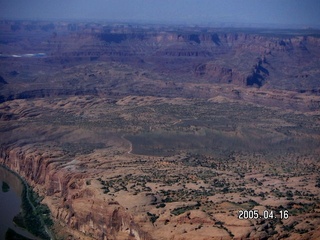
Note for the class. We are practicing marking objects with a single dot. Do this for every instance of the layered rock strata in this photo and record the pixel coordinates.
(73, 204)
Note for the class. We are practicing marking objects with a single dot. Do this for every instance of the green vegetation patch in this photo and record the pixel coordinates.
(32, 216)
(181, 210)
(153, 217)
(249, 204)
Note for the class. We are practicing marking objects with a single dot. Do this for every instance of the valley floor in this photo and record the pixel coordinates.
(167, 168)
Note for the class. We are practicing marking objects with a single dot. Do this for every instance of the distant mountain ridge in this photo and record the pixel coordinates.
(265, 59)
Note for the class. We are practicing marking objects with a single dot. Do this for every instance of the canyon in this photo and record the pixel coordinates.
(182, 60)
(164, 132)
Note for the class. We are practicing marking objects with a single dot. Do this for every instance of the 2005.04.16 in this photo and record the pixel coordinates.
(254, 214)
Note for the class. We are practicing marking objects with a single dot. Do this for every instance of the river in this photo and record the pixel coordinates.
(10, 203)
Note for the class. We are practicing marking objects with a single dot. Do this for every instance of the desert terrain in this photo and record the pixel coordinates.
(161, 132)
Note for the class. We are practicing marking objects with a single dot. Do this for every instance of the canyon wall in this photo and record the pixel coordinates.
(73, 204)
(272, 59)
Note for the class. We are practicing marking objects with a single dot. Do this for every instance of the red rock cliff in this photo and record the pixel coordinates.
(84, 213)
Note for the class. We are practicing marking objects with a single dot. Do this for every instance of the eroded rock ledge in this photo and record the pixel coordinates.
(72, 202)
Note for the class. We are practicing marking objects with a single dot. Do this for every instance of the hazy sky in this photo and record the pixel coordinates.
(302, 12)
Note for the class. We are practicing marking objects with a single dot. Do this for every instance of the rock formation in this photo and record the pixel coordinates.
(71, 92)
(76, 206)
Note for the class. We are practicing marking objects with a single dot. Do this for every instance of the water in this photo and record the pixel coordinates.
(10, 203)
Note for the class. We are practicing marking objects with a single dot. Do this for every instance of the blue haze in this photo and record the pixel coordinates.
(302, 13)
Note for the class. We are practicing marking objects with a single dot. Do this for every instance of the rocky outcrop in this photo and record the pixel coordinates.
(87, 215)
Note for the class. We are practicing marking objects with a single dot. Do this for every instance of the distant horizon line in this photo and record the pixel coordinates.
(299, 26)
